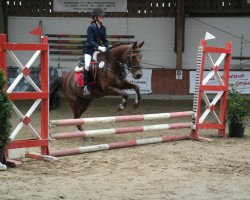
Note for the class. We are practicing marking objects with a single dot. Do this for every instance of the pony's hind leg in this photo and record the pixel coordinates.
(77, 115)
(81, 107)
(78, 107)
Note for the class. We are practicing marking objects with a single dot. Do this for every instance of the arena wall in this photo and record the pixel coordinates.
(158, 34)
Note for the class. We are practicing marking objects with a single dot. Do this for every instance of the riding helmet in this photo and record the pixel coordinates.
(97, 12)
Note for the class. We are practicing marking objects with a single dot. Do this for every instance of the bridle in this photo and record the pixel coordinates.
(127, 64)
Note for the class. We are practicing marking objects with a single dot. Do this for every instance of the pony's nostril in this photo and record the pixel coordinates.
(138, 76)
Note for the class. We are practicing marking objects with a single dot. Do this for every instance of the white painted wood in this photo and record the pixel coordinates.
(157, 116)
(93, 148)
(156, 127)
(149, 141)
(21, 67)
(99, 132)
(21, 124)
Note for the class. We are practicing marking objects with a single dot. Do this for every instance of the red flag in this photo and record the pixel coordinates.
(36, 31)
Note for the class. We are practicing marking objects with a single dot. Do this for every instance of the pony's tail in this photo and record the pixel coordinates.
(54, 94)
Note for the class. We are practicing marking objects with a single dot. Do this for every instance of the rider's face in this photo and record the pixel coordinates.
(101, 19)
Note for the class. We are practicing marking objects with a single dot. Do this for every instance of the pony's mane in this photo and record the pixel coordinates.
(120, 43)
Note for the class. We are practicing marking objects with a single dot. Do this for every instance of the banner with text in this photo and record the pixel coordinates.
(144, 82)
(240, 79)
(88, 6)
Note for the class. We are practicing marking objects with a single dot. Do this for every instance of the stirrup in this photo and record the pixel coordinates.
(86, 91)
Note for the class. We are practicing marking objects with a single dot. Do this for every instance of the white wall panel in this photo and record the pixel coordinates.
(194, 31)
(158, 34)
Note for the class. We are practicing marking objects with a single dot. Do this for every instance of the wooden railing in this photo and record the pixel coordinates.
(136, 8)
(73, 45)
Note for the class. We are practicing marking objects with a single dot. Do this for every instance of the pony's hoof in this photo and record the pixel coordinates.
(118, 109)
(122, 106)
(88, 139)
(136, 105)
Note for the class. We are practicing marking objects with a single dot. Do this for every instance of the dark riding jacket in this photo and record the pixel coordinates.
(95, 37)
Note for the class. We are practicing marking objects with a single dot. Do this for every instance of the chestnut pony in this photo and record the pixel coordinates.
(109, 80)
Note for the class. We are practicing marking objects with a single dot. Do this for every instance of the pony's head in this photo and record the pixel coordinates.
(132, 57)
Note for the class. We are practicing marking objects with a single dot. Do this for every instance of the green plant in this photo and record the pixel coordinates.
(5, 113)
(237, 108)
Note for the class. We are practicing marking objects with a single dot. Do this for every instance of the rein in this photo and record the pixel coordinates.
(127, 64)
(122, 74)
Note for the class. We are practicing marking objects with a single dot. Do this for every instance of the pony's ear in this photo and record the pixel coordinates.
(134, 45)
(140, 45)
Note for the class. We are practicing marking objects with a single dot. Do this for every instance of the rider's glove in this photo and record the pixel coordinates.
(102, 49)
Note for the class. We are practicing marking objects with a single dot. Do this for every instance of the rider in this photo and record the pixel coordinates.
(96, 40)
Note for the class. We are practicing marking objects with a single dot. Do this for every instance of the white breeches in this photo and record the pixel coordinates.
(87, 59)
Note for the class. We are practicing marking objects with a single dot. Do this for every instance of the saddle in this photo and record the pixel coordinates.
(97, 62)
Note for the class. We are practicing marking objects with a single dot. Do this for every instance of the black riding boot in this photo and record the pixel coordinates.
(86, 75)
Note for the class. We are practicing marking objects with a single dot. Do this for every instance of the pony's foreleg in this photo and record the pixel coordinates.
(117, 92)
(128, 85)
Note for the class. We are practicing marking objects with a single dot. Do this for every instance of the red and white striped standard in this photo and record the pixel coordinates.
(134, 129)
(117, 145)
(125, 118)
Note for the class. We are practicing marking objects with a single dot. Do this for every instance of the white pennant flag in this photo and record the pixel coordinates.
(209, 36)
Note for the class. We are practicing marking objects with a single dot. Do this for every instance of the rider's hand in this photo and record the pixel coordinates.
(102, 49)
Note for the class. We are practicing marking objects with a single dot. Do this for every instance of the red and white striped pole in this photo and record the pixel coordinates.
(126, 118)
(117, 145)
(135, 129)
